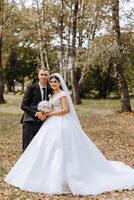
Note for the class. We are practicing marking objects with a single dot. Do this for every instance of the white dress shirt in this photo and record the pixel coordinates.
(41, 90)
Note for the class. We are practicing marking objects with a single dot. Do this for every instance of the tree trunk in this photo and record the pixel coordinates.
(44, 40)
(12, 68)
(61, 29)
(75, 88)
(91, 32)
(44, 62)
(2, 100)
(119, 74)
(41, 57)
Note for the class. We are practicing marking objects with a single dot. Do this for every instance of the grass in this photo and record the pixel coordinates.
(113, 133)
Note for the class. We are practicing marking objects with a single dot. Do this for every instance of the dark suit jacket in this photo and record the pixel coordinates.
(30, 102)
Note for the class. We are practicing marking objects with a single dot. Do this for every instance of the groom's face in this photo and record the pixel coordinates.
(43, 76)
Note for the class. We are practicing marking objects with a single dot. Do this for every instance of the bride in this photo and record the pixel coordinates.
(62, 159)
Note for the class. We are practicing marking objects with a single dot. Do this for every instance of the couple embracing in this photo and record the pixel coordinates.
(58, 156)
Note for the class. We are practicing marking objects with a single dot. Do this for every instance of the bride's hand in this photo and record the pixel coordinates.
(49, 114)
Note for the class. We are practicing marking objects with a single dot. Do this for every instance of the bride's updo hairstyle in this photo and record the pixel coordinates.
(55, 77)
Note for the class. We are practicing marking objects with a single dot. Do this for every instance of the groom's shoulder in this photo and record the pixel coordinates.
(35, 85)
(32, 87)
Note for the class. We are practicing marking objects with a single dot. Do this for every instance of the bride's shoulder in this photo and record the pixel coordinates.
(59, 95)
(62, 94)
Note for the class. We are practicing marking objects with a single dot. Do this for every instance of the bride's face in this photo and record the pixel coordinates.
(54, 84)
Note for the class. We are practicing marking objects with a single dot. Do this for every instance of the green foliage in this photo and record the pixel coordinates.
(100, 77)
(25, 66)
(128, 41)
(99, 84)
(95, 53)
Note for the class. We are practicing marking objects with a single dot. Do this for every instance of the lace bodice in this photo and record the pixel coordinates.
(55, 101)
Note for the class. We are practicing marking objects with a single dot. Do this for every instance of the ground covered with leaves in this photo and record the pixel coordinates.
(112, 132)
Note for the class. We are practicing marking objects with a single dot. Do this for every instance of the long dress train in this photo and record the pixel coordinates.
(62, 159)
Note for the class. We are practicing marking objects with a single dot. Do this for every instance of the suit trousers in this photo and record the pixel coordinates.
(29, 130)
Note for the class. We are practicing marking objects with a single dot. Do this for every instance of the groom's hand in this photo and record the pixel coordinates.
(41, 116)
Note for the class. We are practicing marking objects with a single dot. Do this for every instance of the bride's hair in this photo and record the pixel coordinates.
(55, 77)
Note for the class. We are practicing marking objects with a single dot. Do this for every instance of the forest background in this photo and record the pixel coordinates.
(91, 43)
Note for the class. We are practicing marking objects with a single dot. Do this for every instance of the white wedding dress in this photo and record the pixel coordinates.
(62, 159)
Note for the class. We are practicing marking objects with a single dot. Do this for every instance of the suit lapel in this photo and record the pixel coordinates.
(38, 92)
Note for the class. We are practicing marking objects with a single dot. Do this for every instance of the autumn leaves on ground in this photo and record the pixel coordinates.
(112, 132)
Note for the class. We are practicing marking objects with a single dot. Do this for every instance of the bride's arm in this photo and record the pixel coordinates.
(64, 109)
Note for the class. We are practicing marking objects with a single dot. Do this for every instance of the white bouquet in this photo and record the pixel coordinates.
(45, 106)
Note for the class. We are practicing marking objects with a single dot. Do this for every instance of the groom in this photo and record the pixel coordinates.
(32, 119)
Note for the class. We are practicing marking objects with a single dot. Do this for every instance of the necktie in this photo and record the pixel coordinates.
(44, 93)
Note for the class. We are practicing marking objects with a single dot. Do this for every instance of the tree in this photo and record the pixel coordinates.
(11, 68)
(89, 18)
(128, 41)
(6, 9)
(118, 64)
(74, 78)
(2, 100)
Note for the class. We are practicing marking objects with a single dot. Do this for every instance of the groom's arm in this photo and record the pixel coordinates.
(26, 102)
